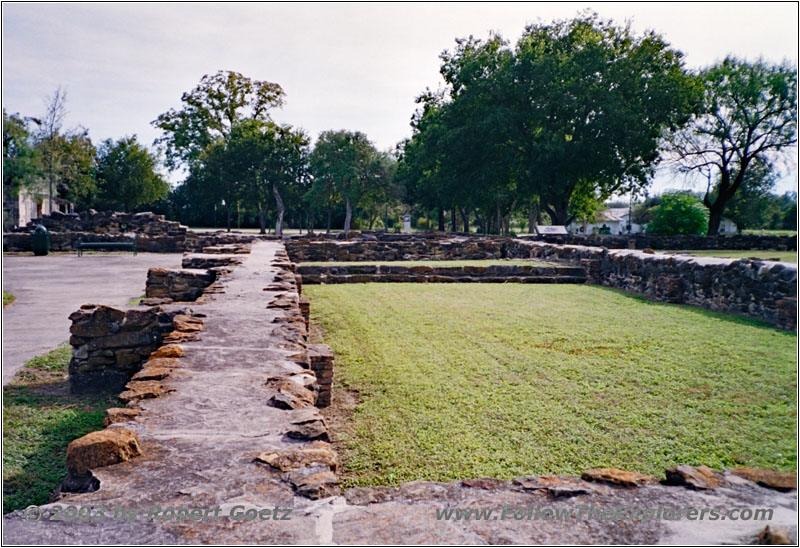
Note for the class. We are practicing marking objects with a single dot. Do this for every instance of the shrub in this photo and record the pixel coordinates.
(678, 213)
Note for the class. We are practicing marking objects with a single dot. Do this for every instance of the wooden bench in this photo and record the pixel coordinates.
(111, 246)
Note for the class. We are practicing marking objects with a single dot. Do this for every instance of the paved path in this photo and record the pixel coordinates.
(48, 289)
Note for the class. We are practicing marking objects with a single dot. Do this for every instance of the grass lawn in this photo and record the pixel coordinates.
(460, 381)
(770, 232)
(40, 418)
(481, 262)
(788, 256)
(8, 298)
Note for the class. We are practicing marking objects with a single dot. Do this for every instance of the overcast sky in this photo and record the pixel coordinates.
(342, 66)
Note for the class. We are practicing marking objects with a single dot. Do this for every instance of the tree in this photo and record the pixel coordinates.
(576, 106)
(21, 164)
(752, 203)
(678, 213)
(211, 110)
(590, 104)
(19, 154)
(748, 116)
(67, 156)
(49, 143)
(270, 158)
(345, 160)
(127, 175)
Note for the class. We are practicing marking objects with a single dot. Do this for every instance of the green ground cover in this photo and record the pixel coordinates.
(8, 298)
(40, 418)
(136, 300)
(481, 262)
(459, 381)
(770, 232)
(788, 256)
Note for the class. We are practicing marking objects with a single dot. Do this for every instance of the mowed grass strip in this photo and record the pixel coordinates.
(787, 256)
(462, 381)
(40, 418)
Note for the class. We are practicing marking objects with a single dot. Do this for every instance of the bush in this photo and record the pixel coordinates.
(678, 213)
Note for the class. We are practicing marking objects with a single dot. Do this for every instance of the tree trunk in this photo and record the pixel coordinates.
(715, 217)
(228, 208)
(465, 219)
(328, 230)
(281, 209)
(453, 220)
(532, 221)
(262, 219)
(348, 215)
(441, 220)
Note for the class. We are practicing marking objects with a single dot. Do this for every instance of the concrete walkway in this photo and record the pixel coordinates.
(50, 288)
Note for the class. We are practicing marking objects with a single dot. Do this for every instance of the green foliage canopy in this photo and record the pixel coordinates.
(678, 213)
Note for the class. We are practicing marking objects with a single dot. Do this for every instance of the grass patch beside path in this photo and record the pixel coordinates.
(8, 298)
(136, 301)
(507, 380)
(481, 262)
(788, 256)
(40, 418)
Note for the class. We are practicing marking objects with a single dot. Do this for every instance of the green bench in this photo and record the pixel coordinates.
(111, 246)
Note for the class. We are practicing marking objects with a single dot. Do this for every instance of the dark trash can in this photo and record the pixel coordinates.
(40, 241)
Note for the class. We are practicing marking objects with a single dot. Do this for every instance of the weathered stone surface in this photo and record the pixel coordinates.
(774, 536)
(307, 424)
(561, 486)
(119, 414)
(316, 485)
(152, 373)
(143, 390)
(696, 477)
(109, 345)
(187, 324)
(617, 477)
(169, 351)
(101, 448)
(782, 481)
(317, 453)
(287, 394)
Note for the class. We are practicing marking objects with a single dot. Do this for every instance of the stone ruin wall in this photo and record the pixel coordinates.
(153, 232)
(763, 290)
(740, 242)
(363, 513)
(136, 350)
(385, 246)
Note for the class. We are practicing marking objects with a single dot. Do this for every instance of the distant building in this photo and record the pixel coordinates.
(32, 205)
(610, 221)
(616, 220)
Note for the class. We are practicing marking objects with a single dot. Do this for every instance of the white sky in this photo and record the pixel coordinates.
(343, 66)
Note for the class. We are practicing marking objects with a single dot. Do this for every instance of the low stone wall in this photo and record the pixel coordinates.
(396, 247)
(360, 273)
(756, 289)
(178, 285)
(109, 345)
(153, 233)
(653, 241)
(320, 359)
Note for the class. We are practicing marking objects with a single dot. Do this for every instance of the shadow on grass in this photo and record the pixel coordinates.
(40, 418)
(695, 310)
